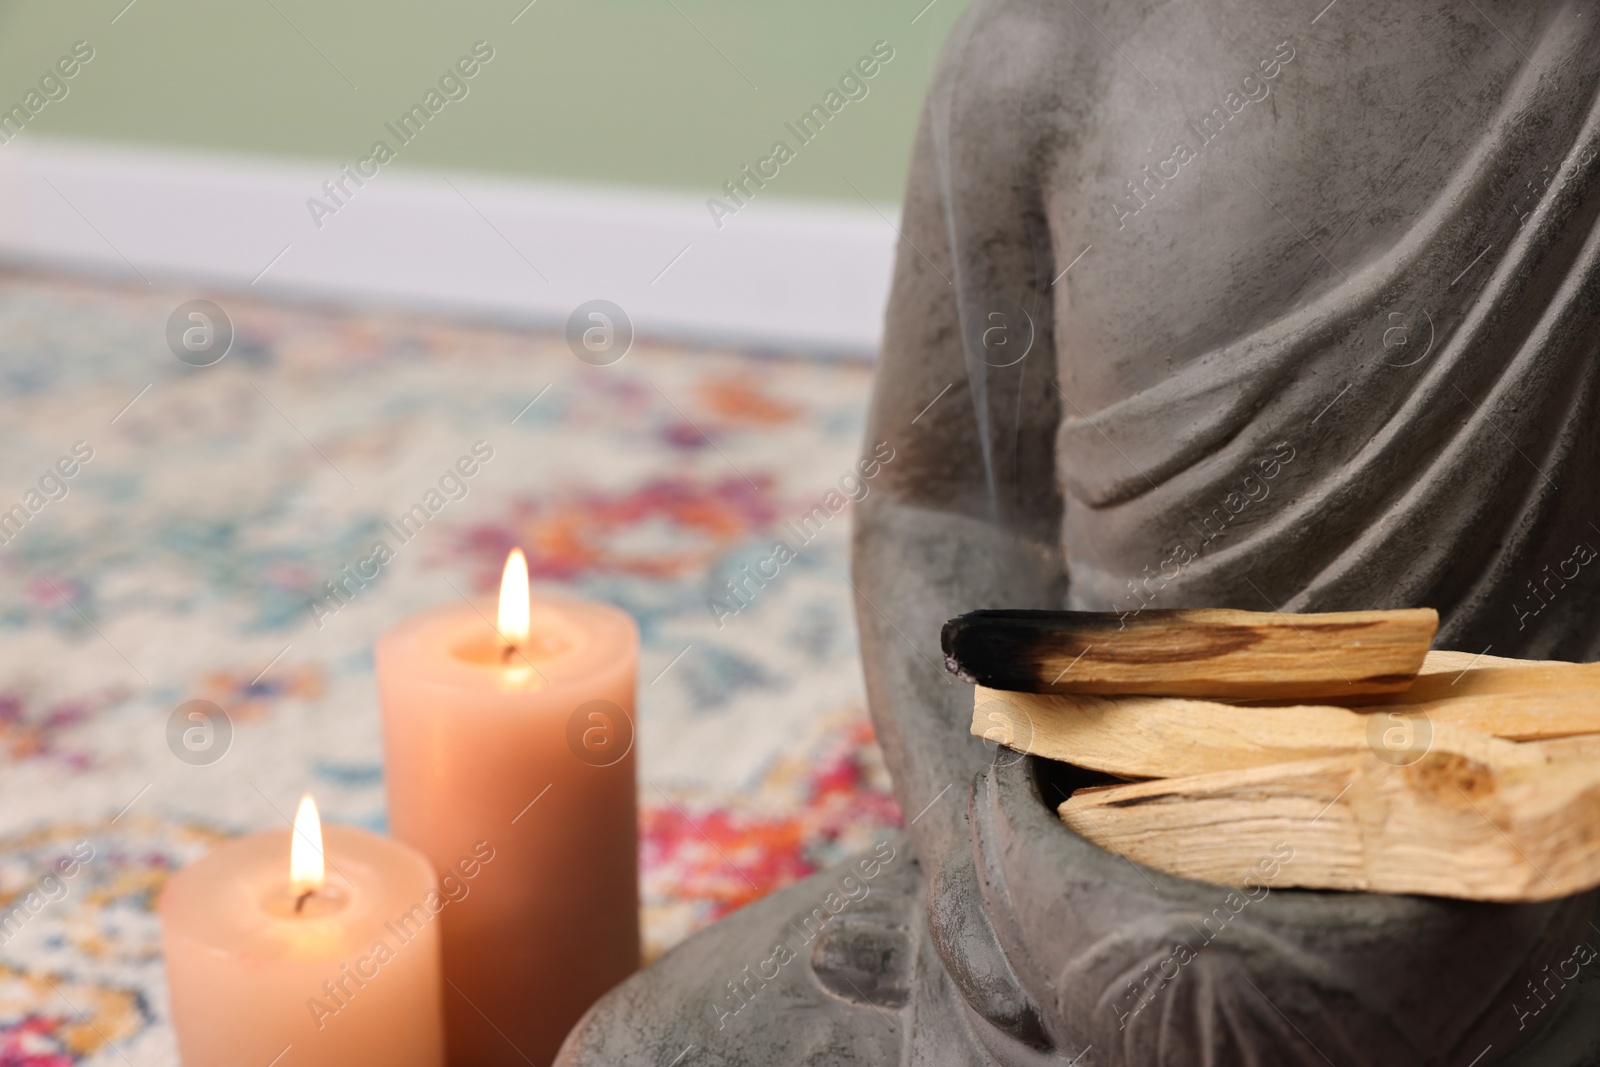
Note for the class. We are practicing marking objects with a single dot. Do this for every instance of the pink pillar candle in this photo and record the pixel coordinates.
(350, 976)
(529, 749)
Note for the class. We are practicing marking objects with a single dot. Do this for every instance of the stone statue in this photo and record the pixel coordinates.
(1236, 304)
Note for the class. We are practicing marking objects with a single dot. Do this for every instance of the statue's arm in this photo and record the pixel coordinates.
(944, 531)
(967, 515)
(950, 525)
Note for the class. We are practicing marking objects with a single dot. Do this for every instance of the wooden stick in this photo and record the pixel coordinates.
(1193, 653)
(1504, 822)
(1166, 737)
(1138, 737)
(1447, 676)
(1163, 737)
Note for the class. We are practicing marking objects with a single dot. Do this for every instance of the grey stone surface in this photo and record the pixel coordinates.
(820, 972)
(1249, 305)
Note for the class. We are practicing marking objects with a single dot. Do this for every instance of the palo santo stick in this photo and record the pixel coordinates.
(1449, 675)
(1530, 716)
(1165, 737)
(1196, 653)
(1522, 824)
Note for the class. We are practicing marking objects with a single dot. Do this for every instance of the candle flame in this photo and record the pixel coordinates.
(514, 599)
(306, 872)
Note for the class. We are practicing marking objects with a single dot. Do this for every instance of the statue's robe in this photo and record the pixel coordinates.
(1421, 433)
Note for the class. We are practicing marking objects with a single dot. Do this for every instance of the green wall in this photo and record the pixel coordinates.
(622, 92)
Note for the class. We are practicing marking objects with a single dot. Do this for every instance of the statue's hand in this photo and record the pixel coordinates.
(972, 957)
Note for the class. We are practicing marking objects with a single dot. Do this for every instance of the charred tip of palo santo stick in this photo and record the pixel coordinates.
(1214, 652)
(983, 647)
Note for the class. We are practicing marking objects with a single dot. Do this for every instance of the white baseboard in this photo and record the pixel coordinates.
(776, 274)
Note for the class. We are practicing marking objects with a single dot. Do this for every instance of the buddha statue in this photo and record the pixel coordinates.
(1266, 306)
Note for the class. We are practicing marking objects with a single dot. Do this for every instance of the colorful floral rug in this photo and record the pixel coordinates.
(207, 506)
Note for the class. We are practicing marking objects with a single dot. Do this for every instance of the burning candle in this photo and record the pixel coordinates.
(509, 727)
(278, 952)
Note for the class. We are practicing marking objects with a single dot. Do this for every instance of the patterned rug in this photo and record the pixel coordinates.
(207, 507)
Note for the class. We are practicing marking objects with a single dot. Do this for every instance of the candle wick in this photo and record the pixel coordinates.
(506, 652)
(300, 901)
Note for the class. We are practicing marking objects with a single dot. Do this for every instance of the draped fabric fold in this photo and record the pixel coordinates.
(1434, 468)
